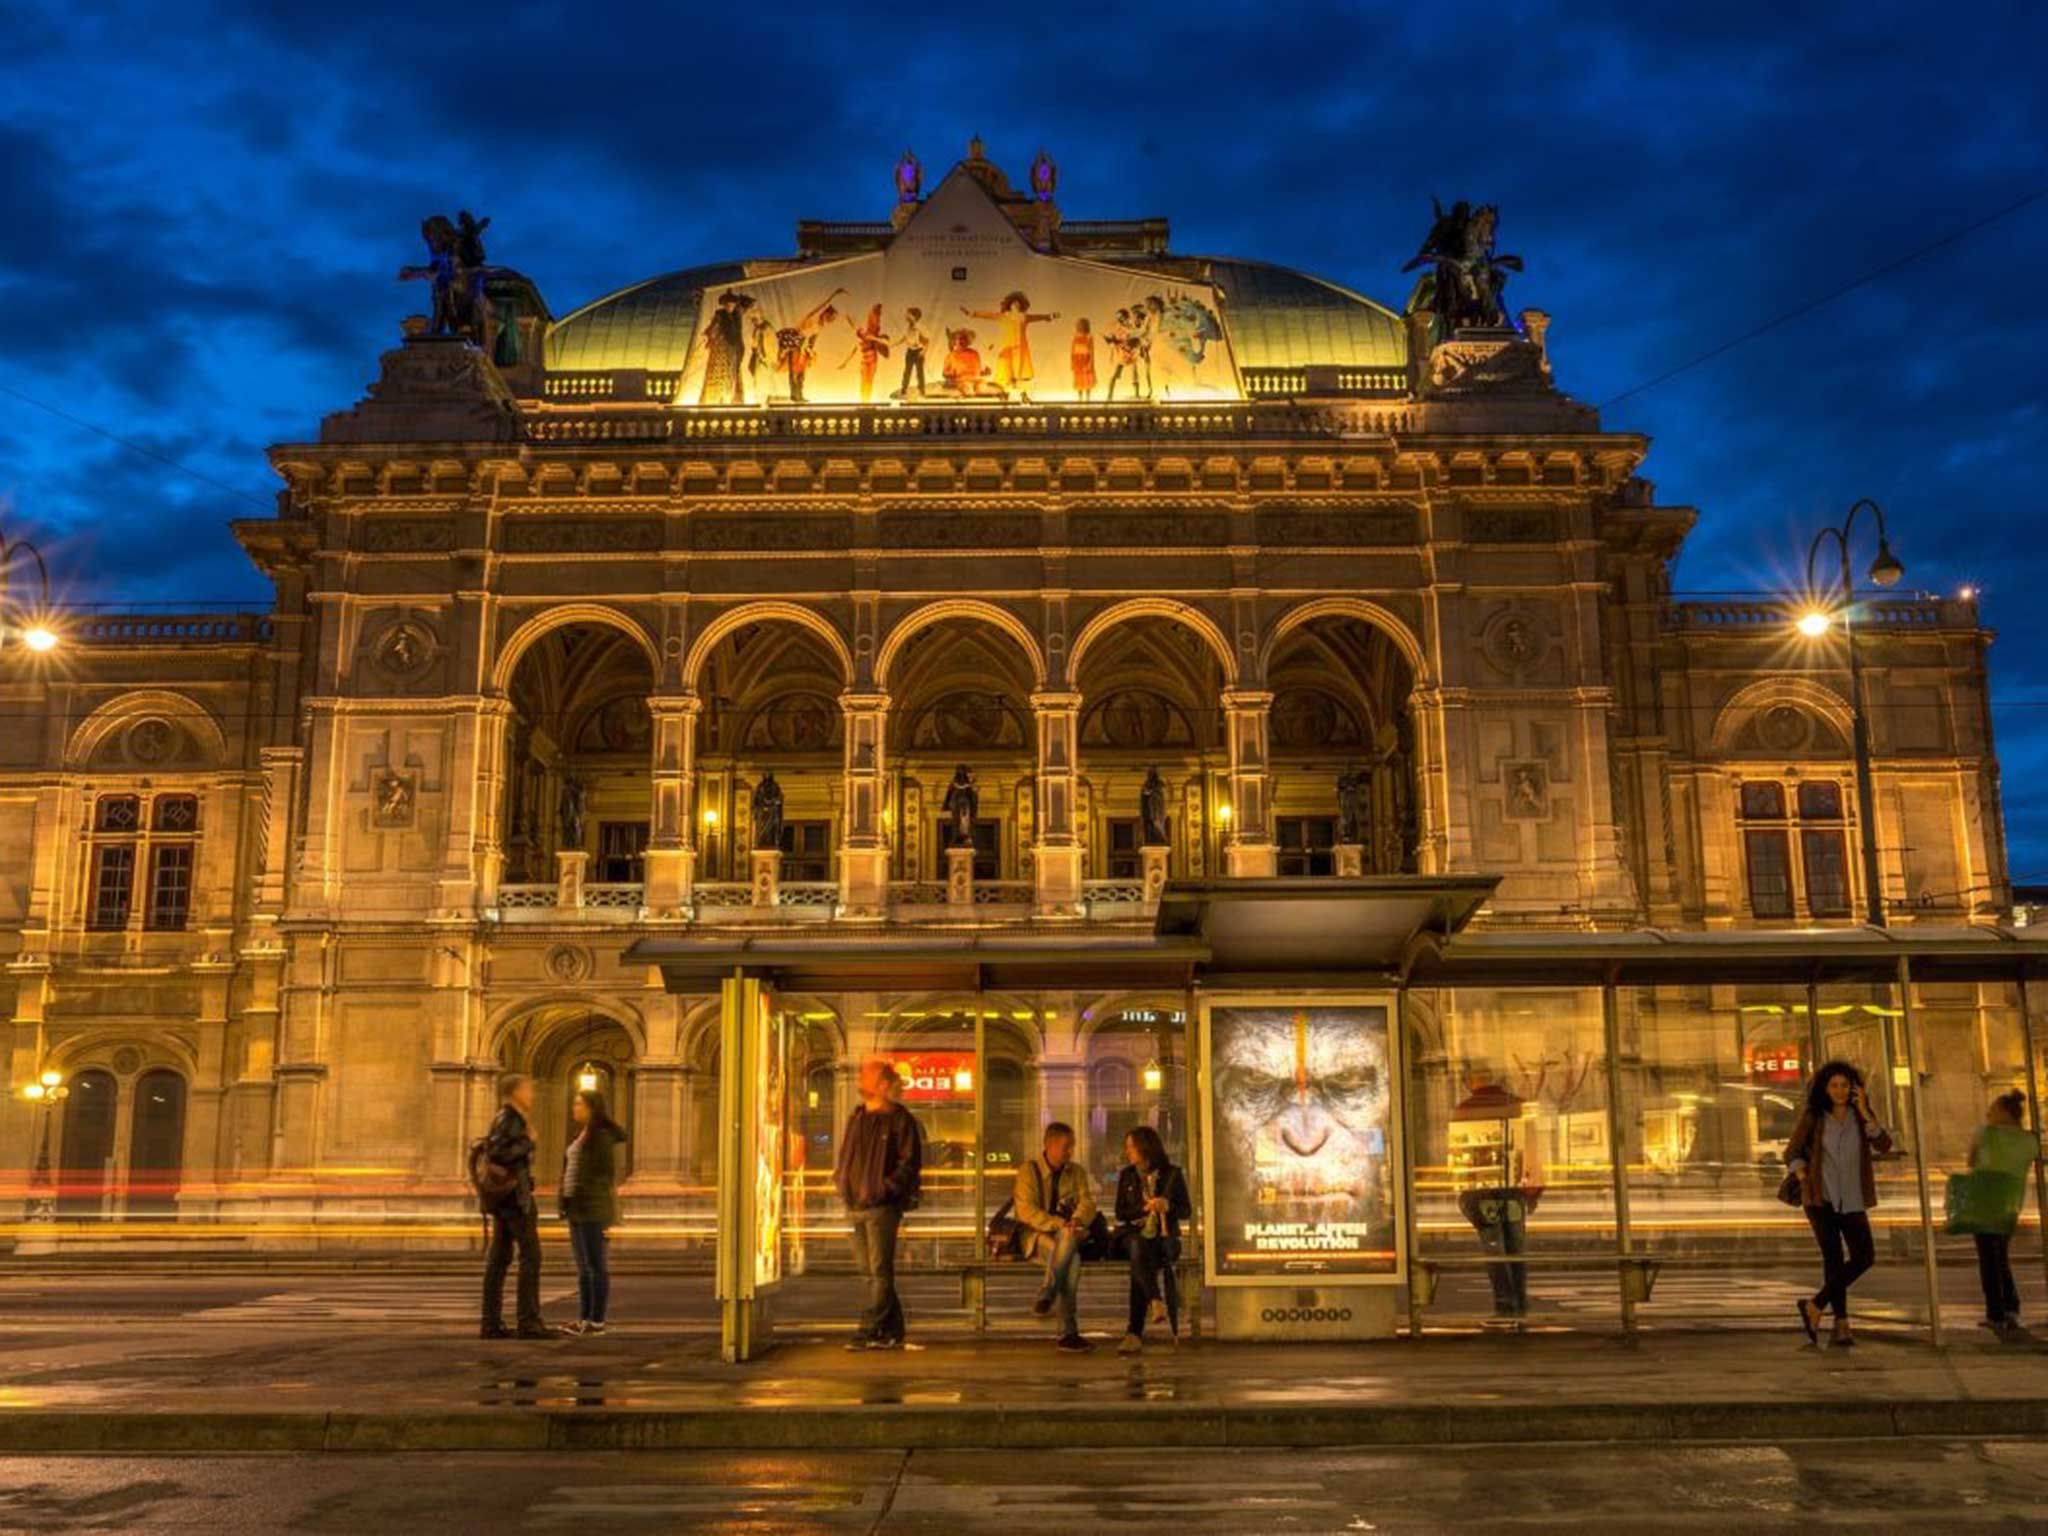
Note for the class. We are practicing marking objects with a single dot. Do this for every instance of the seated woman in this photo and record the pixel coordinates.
(1151, 1203)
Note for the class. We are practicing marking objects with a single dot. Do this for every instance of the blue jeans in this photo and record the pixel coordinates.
(591, 1244)
(874, 1256)
(1061, 1253)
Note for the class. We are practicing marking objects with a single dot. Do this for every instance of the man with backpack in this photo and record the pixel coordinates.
(501, 1168)
(1055, 1204)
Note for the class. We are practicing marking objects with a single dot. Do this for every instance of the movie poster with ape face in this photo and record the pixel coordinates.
(1304, 1140)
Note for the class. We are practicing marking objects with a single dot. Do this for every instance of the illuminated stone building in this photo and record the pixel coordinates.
(281, 895)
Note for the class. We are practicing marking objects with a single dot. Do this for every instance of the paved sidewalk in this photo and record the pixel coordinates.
(79, 1383)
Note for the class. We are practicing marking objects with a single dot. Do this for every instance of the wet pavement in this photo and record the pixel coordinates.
(1870, 1487)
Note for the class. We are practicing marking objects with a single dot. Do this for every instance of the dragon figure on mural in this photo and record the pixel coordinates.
(1466, 278)
(455, 266)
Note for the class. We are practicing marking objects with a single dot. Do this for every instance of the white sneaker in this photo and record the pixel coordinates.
(1131, 1345)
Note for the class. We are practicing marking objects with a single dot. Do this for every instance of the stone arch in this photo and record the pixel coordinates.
(93, 732)
(1362, 609)
(1746, 702)
(508, 1019)
(102, 1048)
(550, 619)
(1106, 619)
(759, 613)
(959, 608)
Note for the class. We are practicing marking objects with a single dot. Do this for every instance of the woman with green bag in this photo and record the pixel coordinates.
(1999, 1157)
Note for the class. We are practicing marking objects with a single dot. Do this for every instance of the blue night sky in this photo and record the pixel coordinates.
(202, 209)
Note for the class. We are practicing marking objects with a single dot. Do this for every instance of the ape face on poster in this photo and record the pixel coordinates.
(1302, 1122)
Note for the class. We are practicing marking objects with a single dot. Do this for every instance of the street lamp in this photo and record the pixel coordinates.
(36, 633)
(47, 1090)
(1885, 571)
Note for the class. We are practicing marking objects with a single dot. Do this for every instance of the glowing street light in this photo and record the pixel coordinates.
(37, 635)
(1885, 571)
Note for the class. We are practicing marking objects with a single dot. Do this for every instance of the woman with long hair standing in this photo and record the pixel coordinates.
(590, 1202)
(1830, 1151)
(1151, 1203)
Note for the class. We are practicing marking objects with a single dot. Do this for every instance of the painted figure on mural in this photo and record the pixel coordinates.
(1123, 347)
(1141, 349)
(870, 346)
(766, 804)
(761, 349)
(1013, 344)
(797, 345)
(913, 339)
(1354, 814)
(1188, 326)
(1152, 809)
(1081, 355)
(724, 344)
(570, 813)
(962, 801)
(963, 372)
(455, 268)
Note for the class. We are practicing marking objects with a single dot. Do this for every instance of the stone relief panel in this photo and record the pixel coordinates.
(1310, 717)
(957, 530)
(1136, 717)
(1523, 796)
(393, 816)
(1338, 527)
(1149, 530)
(718, 533)
(969, 720)
(555, 535)
(796, 722)
(1518, 641)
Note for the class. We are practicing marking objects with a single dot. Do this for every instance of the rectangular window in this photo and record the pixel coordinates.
(988, 846)
(113, 885)
(621, 853)
(170, 885)
(1770, 873)
(1763, 802)
(807, 851)
(1125, 861)
(1307, 845)
(1826, 858)
(1820, 800)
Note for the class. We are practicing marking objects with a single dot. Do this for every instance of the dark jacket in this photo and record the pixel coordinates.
(1808, 1147)
(509, 1144)
(1130, 1198)
(595, 1196)
(881, 1159)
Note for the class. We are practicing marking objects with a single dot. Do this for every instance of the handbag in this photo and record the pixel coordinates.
(1789, 1190)
(1982, 1203)
(1005, 1235)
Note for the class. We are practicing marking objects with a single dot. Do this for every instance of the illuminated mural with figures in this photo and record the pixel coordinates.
(958, 306)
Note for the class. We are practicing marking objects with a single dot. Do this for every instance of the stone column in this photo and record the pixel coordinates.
(570, 866)
(1250, 849)
(960, 877)
(672, 811)
(863, 842)
(1057, 855)
(280, 793)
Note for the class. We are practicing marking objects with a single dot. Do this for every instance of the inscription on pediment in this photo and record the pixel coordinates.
(390, 536)
(947, 530)
(743, 532)
(1098, 530)
(1333, 526)
(1509, 525)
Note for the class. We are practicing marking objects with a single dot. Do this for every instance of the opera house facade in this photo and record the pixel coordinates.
(968, 581)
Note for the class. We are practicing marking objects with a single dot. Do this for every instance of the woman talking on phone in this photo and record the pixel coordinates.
(1830, 1152)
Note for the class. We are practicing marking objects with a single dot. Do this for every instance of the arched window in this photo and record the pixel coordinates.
(156, 1144)
(84, 1166)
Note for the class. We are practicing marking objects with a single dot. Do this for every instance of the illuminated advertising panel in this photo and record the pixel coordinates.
(936, 1077)
(771, 1139)
(1302, 1123)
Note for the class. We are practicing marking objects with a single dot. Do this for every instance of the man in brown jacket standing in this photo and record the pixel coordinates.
(881, 1162)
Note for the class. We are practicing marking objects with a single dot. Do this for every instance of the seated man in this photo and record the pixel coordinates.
(1054, 1203)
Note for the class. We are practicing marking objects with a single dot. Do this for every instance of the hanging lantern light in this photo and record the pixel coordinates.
(1154, 1078)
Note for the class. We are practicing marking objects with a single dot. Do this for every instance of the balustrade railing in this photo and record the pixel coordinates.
(1104, 892)
(519, 898)
(996, 893)
(807, 893)
(615, 894)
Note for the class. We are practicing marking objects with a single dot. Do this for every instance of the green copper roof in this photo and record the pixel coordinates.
(645, 326)
(1277, 318)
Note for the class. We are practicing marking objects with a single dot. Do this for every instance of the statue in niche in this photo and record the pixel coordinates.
(455, 267)
(1354, 806)
(1466, 279)
(766, 803)
(961, 803)
(570, 812)
(1152, 809)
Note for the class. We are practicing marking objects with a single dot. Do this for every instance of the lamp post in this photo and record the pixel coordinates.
(36, 632)
(1885, 571)
(47, 1091)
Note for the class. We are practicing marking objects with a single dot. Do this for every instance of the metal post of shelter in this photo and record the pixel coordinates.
(2034, 1098)
(1191, 1092)
(980, 1317)
(1919, 1152)
(1401, 1090)
(1617, 1143)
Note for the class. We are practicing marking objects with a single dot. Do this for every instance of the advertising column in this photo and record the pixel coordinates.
(753, 1152)
(1303, 1198)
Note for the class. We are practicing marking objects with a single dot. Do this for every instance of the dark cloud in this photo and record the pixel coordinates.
(201, 209)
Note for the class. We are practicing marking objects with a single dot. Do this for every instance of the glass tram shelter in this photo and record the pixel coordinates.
(1379, 1098)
